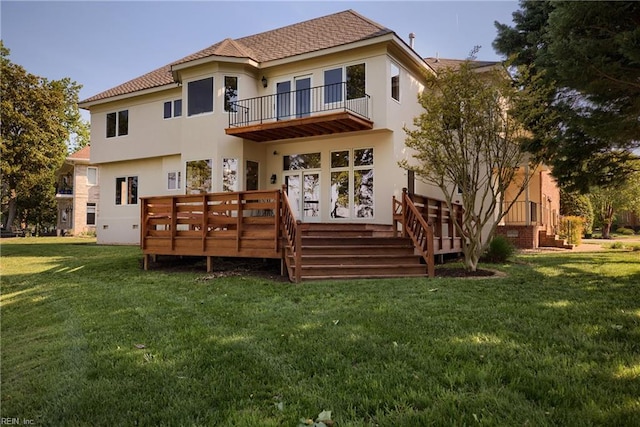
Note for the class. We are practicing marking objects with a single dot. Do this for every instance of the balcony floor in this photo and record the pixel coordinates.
(315, 125)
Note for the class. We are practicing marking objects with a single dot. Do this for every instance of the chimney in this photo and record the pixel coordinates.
(412, 36)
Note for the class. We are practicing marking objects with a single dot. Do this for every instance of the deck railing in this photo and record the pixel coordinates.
(415, 226)
(293, 239)
(243, 224)
(446, 238)
(298, 104)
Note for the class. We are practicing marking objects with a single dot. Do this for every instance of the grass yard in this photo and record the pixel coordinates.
(88, 338)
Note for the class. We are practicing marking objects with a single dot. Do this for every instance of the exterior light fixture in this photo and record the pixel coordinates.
(264, 81)
(274, 178)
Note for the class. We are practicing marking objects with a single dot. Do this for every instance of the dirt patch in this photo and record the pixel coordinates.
(460, 272)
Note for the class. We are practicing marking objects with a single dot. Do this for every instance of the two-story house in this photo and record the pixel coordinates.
(318, 106)
(77, 194)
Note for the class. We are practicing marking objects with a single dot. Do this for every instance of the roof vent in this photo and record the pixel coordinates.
(412, 36)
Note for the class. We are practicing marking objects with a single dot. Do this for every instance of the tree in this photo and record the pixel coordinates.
(607, 202)
(466, 140)
(586, 56)
(37, 116)
(577, 204)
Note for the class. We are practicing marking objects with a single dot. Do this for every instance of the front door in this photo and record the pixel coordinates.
(303, 191)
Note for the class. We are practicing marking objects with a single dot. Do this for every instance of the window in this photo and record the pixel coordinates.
(91, 214)
(200, 96)
(352, 183)
(199, 173)
(395, 82)
(174, 180)
(355, 81)
(230, 93)
(333, 85)
(173, 109)
(301, 161)
(127, 190)
(251, 175)
(229, 174)
(92, 176)
(118, 124)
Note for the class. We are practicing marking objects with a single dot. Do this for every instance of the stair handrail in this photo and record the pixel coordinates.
(293, 237)
(419, 230)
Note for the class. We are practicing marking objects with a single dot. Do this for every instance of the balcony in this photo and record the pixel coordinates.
(321, 110)
(65, 192)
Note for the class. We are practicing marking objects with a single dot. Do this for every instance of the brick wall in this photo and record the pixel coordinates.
(521, 236)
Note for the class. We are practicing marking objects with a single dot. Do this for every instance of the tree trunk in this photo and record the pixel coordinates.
(11, 213)
(606, 230)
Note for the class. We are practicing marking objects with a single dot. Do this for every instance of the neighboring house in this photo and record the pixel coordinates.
(318, 106)
(77, 194)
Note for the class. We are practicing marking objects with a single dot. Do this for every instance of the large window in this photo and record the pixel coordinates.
(127, 190)
(230, 93)
(355, 82)
(118, 124)
(395, 82)
(174, 180)
(251, 175)
(92, 176)
(172, 109)
(352, 183)
(230, 175)
(199, 173)
(200, 96)
(91, 214)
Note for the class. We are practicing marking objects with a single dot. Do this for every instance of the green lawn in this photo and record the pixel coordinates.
(88, 338)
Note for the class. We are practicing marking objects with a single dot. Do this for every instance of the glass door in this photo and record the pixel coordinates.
(283, 100)
(303, 96)
(303, 191)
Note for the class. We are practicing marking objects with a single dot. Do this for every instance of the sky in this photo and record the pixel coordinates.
(101, 44)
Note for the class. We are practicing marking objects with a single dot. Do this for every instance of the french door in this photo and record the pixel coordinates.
(300, 99)
(303, 191)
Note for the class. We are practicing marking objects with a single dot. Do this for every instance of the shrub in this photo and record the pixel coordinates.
(625, 231)
(616, 245)
(571, 229)
(500, 249)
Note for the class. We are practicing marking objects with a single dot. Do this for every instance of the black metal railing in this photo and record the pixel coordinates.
(299, 104)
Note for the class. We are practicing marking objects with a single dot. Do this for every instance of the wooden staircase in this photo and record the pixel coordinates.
(552, 241)
(342, 251)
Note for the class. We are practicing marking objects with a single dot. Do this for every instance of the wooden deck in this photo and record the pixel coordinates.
(260, 224)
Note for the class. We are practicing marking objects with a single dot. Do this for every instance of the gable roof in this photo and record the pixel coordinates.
(82, 154)
(304, 37)
(439, 64)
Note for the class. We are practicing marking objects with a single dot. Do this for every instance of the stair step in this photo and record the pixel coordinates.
(375, 259)
(363, 270)
(346, 250)
(354, 241)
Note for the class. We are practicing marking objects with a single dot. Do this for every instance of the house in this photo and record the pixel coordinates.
(77, 194)
(317, 107)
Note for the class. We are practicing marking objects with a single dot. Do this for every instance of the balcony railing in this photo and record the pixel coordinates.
(299, 104)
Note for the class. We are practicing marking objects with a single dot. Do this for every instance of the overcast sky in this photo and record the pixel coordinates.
(103, 44)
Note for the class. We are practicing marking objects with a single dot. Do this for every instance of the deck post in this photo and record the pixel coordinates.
(298, 251)
(239, 222)
(431, 267)
(404, 212)
(209, 264)
(145, 261)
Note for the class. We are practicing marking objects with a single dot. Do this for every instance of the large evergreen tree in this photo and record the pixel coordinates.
(587, 56)
(37, 115)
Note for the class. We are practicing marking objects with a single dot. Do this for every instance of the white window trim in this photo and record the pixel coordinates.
(178, 180)
(117, 113)
(88, 182)
(392, 64)
(185, 102)
(173, 109)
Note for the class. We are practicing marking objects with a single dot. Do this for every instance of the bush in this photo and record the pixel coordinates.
(616, 245)
(625, 231)
(500, 249)
(571, 229)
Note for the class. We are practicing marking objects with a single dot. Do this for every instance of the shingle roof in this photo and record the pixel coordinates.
(442, 63)
(82, 154)
(309, 36)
